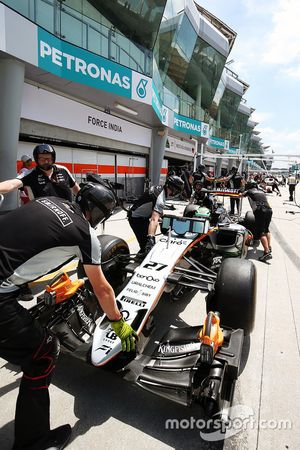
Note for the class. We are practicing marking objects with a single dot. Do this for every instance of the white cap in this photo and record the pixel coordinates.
(26, 158)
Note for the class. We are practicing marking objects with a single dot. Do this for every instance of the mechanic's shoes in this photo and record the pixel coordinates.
(265, 257)
(57, 439)
(25, 294)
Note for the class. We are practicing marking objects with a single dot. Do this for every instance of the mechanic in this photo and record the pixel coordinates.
(200, 196)
(263, 214)
(275, 186)
(26, 168)
(57, 231)
(150, 206)
(292, 182)
(200, 175)
(46, 179)
(234, 181)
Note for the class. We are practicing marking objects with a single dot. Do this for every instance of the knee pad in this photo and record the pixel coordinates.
(39, 369)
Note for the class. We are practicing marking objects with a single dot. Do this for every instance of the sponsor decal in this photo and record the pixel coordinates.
(174, 241)
(64, 218)
(143, 285)
(141, 88)
(132, 301)
(77, 64)
(105, 348)
(216, 142)
(187, 125)
(167, 348)
(110, 335)
(147, 277)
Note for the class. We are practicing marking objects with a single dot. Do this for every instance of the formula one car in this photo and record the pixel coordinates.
(231, 235)
(199, 363)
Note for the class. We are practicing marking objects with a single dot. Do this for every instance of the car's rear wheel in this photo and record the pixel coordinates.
(249, 221)
(234, 294)
(112, 247)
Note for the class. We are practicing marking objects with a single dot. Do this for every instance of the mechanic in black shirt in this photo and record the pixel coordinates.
(150, 206)
(46, 179)
(200, 196)
(263, 214)
(56, 232)
(205, 179)
(234, 181)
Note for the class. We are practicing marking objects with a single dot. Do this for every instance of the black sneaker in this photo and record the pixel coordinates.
(56, 440)
(265, 257)
(25, 294)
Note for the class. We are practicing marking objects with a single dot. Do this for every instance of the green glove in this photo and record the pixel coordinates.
(127, 335)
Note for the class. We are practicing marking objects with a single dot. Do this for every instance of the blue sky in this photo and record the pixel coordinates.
(266, 55)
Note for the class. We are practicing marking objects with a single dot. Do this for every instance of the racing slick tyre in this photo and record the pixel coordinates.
(112, 267)
(234, 294)
(249, 221)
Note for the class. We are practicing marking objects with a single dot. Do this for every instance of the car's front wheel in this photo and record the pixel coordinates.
(234, 294)
(113, 250)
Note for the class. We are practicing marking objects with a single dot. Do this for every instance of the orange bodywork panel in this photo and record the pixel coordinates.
(211, 333)
(63, 288)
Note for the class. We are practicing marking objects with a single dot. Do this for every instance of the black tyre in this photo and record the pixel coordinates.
(111, 247)
(234, 294)
(249, 221)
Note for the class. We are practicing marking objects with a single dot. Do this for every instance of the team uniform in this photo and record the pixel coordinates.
(153, 199)
(235, 182)
(59, 233)
(292, 182)
(59, 184)
(203, 178)
(261, 209)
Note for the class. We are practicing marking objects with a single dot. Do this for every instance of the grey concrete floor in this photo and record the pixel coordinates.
(107, 411)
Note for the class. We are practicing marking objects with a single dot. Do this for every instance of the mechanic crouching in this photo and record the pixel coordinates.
(263, 214)
(150, 206)
(57, 231)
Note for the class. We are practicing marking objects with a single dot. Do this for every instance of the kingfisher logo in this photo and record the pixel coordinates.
(141, 88)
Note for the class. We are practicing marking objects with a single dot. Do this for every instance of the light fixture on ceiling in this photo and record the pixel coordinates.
(125, 109)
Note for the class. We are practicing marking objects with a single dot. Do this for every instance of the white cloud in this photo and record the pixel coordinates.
(283, 42)
(261, 116)
(283, 141)
(258, 7)
(293, 72)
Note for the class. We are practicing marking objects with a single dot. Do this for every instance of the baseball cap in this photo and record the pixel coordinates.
(26, 158)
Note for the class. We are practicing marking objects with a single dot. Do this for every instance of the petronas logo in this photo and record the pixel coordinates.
(141, 88)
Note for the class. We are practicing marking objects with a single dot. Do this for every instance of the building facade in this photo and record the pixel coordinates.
(120, 88)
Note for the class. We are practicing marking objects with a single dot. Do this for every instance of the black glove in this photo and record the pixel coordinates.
(150, 243)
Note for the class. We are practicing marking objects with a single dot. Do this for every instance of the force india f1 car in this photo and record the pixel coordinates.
(190, 364)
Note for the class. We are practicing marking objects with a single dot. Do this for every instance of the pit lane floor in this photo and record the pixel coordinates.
(106, 411)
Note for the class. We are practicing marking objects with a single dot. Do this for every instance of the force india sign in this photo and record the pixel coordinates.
(68, 61)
